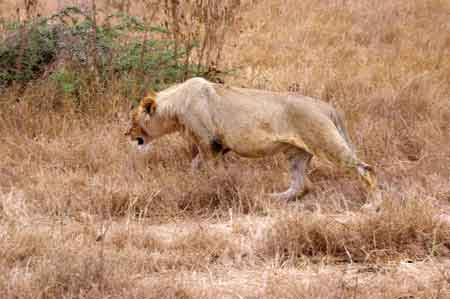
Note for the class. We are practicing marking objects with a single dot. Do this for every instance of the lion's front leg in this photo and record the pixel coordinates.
(206, 147)
(298, 162)
(201, 159)
(198, 152)
(204, 154)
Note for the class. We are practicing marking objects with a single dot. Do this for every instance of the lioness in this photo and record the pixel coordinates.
(251, 123)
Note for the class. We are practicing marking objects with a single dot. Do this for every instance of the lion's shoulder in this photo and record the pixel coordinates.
(197, 82)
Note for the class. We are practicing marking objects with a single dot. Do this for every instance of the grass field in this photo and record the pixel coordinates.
(83, 215)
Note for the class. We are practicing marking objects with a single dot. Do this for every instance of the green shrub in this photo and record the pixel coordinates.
(25, 53)
(66, 80)
(63, 45)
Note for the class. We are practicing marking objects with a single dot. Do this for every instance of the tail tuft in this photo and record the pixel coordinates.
(367, 174)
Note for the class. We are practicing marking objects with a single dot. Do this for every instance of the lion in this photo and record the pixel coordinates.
(251, 123)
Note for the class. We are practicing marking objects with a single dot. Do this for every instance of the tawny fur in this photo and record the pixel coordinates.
(251, 123)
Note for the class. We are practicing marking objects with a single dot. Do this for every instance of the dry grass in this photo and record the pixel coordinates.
(82, 215)
(403, 230)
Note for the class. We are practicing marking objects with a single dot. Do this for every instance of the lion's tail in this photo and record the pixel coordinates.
(340, 125)
(366, 171)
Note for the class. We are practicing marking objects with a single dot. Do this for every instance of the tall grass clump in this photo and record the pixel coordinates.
(402, 229)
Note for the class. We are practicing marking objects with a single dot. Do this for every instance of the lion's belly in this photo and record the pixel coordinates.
(254, 144)
(252, 128)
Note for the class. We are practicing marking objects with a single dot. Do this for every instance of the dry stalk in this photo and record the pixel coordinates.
(94, 53)
(30, 8)
(154, 7)
(203, 22)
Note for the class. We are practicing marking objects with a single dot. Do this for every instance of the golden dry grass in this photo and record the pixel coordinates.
(82, 215)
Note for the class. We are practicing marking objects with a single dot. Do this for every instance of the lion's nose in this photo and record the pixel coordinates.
(140, 141)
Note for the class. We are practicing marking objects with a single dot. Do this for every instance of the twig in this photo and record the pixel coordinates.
(94, 42)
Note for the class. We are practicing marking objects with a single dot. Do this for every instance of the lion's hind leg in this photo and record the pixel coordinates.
(298, 162)
(336, 148)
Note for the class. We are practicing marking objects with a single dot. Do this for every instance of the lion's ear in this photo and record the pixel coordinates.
(149, 105)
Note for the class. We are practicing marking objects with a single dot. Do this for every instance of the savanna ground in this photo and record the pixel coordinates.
(83, 215)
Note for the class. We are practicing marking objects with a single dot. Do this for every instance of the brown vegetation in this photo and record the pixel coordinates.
(82, 215)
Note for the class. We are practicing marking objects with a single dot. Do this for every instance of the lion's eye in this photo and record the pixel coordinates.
(140, 141)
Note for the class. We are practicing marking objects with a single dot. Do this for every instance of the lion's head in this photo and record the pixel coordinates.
(146, 123)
